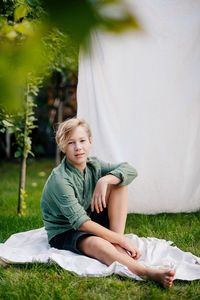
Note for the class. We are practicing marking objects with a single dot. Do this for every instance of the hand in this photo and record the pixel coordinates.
(99, 196)
(130, 248)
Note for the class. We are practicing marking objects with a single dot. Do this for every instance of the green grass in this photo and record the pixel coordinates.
(49, 281)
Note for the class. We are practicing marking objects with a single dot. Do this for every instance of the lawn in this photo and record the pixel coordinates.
(49, 281)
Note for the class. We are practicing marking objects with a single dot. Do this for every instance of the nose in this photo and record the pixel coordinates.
(77, 146)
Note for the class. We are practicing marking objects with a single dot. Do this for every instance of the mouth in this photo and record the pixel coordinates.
(79, 155)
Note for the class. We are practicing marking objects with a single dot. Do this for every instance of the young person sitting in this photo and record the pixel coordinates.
(85, 202)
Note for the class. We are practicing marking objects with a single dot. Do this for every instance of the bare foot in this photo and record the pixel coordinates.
(165, 277)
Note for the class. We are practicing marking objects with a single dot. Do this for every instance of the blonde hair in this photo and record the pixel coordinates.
(65, 130)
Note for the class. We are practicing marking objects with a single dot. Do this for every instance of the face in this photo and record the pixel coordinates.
(78, 148)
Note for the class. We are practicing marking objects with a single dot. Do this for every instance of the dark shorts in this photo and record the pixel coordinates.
(68, 240)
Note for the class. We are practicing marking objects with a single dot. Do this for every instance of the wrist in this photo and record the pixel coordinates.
(119, 238)
(104, 179)
(111, 179)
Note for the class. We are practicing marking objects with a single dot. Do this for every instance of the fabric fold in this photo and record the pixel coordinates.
(32, 246)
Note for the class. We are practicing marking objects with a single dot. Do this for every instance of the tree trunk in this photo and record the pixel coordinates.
(22, 177)
(60, 119)
(7, 144)
(22, 181)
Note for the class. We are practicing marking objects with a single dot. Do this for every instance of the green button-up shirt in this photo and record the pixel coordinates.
(68, 192)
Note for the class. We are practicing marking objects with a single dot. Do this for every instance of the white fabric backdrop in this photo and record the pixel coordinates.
(140, 92)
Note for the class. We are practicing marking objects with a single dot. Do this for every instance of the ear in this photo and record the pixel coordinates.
(90, 140)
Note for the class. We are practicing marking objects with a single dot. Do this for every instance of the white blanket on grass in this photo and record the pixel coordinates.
(32, 246)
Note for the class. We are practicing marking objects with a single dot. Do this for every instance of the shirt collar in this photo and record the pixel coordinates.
(74, 169)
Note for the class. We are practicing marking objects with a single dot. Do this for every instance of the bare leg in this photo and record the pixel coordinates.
(117, 201)
(105, 252)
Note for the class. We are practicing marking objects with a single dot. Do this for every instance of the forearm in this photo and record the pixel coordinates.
(110, 179)
(97, 229)
(110, 236)
(99, 196)
(124, 171)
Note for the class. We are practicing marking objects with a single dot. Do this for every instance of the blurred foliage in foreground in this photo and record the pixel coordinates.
(29, 50)
(38, 36)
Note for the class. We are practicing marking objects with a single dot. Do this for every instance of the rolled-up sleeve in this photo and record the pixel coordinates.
(123, 171)
(68, 204)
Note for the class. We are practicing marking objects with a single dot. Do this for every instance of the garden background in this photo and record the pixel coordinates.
(39, 63)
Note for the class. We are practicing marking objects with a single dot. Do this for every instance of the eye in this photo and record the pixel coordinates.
(70, 143)
(82, 140)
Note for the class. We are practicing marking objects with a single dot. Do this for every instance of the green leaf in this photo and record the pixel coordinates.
(32, 118)
(25, 154)
(3, 20)
(20, 12)
(17, 154)
(6, 123)
(2, 130)
(11, 130)
(31, 153)
(24, 27)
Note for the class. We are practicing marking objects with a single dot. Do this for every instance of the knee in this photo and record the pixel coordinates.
(93, 244)
(97, 243)
(112, 187)
(119, 189)
(122, 187)
(116, 192)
